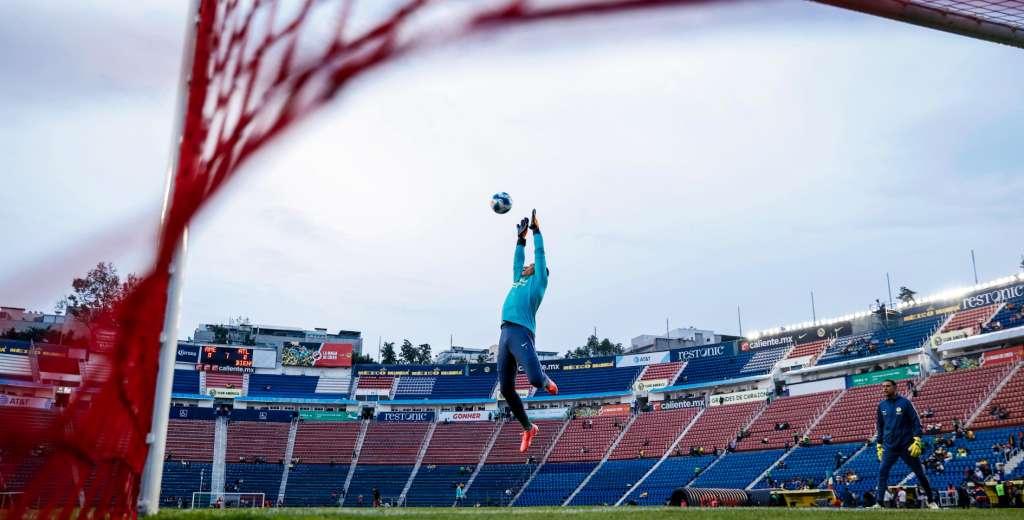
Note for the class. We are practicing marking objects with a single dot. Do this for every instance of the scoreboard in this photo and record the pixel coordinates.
(240, 357)
(234, 359)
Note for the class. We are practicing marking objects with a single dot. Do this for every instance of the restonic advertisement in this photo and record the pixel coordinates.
(405, 416)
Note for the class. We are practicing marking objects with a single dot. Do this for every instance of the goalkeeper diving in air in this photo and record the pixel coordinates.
(518, 325)
(899, 437)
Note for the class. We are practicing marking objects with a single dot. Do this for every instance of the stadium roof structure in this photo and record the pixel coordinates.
(1000, 21)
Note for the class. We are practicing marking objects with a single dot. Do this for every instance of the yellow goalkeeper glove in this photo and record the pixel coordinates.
(916, 447)
(880, 450)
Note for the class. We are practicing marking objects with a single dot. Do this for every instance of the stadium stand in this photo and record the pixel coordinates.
(275, 385)
(473, 386)
(955, 395)
(335, 384)
(810, 465)
(185, 382)
(505, 469)
(375, 384)
(587, 438)
(894, 336)
(672, 473)
(392, 442)
(554, 483)
(190, 440)
(1009, 316)
(1010, 399)
(978, 450)
(653, 432)
(250, 439)
(658, 371)
(784, 419)
(316, 485)
(757, 362)
(454, 450)
(322, 442)
(852, 417)
(971, 318)
(591, 381)
(224, 380)
(814, 348)
(414, 387)
(736, 470)
(254, 478)
(717, 426)
(611, 481)
(388, 480)
(865, 466)
(181, 480)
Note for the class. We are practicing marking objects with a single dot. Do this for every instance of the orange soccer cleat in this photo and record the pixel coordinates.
(528, 436)
(551, 387)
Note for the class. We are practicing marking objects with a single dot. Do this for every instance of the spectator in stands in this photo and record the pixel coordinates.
(518, 317)
(840, 459)
(826, 439)
(732, 445)
(764, 440)
(981, 498)
(927, 413)
(376, 497)
(869, 499)
(805, 440)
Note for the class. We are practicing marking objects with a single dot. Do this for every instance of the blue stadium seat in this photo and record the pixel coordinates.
(593, 380)
(612, 481)
(466, 387)
(744, 364)
(180, 481)
(389, 480)
(185, 382)
(554, 483)
(275, 385)
(254, 478)
(737, 470)
(497, 484)
(814, 463)
(673, 473)
(315, 485)
(435, 485)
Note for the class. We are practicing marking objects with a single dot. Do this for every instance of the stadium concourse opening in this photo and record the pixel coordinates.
(781, 418)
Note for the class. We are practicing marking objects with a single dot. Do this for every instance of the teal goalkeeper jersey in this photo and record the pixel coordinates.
(524, 297)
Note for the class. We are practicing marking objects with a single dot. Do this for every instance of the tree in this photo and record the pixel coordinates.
(906, 295)
(387, 354)
(408, 352)
(94, 298)
(594, 347)
(607, 348)
(424, 354)
(220, 334)
(362, 359)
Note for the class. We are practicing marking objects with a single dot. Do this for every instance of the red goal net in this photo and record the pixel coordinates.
(257, 69)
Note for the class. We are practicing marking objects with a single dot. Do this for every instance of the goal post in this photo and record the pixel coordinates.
(207, 500)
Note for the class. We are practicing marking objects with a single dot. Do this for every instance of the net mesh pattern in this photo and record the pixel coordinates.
(258, 68)
(1002, 12)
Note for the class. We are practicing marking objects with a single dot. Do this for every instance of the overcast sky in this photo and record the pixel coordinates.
(683, 163)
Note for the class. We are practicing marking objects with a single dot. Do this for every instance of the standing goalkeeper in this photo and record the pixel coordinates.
(899, 437)
(518, 322)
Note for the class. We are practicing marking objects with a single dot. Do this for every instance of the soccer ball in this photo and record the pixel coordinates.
(501, 203)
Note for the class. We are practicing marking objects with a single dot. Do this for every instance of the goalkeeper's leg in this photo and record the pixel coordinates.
(922, 479)
(507, 369)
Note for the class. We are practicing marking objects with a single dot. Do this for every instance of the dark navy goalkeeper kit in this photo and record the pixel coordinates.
(897, 425)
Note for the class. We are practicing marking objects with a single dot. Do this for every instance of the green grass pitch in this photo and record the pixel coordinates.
(602, 513)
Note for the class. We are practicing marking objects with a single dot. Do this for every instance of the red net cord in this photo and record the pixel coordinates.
(258, 68)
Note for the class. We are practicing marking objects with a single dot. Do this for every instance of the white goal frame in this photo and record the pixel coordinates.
(206, 499)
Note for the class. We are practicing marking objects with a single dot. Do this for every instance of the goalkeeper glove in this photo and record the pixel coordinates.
(521, 230)
(880, 451)
(916, 447)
